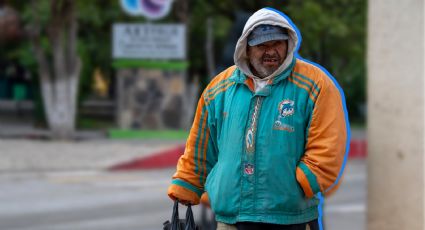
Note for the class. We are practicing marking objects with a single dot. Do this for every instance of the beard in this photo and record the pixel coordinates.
(265, 70)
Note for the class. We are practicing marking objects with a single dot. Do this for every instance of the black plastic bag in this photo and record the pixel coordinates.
(181, 224)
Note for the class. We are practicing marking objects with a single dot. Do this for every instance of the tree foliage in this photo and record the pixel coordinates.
(334, 36)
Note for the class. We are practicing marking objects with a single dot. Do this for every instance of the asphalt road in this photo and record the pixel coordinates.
(98, 200)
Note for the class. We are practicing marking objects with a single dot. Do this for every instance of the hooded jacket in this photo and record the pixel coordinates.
(263, 155)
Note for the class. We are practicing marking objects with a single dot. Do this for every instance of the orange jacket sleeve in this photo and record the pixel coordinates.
(201, 152)
(321, 164)
(196, 162)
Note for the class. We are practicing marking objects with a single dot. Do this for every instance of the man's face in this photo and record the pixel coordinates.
(266, 57)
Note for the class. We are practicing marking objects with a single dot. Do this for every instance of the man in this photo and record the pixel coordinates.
(269, 134)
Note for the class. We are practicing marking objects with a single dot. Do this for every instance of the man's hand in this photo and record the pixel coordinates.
(185, 202)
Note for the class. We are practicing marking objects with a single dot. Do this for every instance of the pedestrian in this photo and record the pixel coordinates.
(268, 135)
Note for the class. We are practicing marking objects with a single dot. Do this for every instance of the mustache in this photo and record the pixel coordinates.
(274, 57)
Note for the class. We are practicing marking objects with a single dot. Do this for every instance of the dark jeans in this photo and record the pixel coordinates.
(314, 225)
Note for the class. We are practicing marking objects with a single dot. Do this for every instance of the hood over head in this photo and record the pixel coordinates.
(265, 16)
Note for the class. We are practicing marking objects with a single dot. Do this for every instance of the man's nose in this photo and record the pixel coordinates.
(270, 51)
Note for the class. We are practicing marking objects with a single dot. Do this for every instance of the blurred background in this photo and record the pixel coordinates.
(96, 99)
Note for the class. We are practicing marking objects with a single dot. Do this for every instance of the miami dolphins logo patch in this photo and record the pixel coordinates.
(286, 108)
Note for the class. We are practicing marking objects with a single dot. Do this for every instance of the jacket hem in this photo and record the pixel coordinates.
(272, 218)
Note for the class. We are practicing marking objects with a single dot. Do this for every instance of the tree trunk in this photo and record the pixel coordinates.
(59, 76)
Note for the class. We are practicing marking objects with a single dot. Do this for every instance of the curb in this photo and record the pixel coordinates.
(169, 158)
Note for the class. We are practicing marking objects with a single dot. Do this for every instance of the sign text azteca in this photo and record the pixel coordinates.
(149, 41)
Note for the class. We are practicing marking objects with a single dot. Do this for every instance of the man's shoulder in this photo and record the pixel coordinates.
(222, 77)
(311, 72)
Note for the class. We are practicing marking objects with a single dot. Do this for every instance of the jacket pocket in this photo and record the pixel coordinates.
(281, 192)
(223, 190)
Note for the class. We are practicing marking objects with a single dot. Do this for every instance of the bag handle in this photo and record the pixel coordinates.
(175, 222)
(190, 221)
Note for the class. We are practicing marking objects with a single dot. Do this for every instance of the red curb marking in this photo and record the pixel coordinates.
(162, 159)
(358, 149)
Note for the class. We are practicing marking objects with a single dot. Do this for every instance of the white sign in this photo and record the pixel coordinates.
(151, 9)
(149, 41)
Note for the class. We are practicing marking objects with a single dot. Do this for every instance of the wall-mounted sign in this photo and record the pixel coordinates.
(149, 41)
(151, 9)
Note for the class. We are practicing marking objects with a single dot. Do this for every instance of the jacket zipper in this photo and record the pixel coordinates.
(251, 133)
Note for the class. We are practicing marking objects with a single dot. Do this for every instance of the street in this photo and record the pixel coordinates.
(100, 200)
(84, 200)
